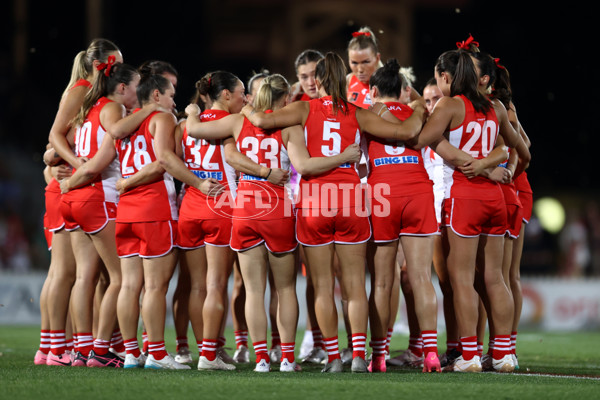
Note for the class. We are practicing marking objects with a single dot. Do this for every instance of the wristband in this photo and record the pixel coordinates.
(267, 177)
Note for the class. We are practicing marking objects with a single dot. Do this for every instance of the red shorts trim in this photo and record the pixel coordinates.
(471, 217)
(90, 216)
(48, 236)
(145, 239)
(527, 203)
(343, 226)
(53, 218)
(278, 235)
(408, 215)
(194, 233)
(514, 220)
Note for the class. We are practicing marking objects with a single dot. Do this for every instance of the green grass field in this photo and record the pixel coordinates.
(560, 366)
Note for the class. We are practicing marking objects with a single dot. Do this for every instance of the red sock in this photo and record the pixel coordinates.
(513, 342)
(209, 349)
(429, 342)
(101, 346)
(501, 346)
(379, 346)
(157, 350)
(132, 347)
(469, 347)
(85, 343)
(145, 342)
(332, 348)
(260, 349)
(221, 341)
(69, 344)
(415, 344)
(75, 342)
(241, 338)
(116, 341)
(317, 338)
(57, 342)
(287, 351)
(45, 341)
(358, 345)
(199, 346)
(452, 346)
(388, 339)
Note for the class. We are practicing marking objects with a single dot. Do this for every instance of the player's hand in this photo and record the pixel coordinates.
(63, 172)
(211, 187)
(352, 153)
(472, 168)
(192, 109)
(64, 186)
(501, 175)
(121, 185)
(278, 176)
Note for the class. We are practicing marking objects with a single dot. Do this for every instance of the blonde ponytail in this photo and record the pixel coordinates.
(99, 49)
(78, 71)
(271, 90)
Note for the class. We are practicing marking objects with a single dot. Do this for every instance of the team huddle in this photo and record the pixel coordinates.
(335, 175)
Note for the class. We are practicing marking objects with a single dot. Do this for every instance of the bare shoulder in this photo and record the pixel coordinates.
(164, 118)
(114, 106)
(499, 108)
(449, 104)
(74, 97)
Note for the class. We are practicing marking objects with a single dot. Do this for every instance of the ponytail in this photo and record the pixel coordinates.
(407, 74)
(99, 49)
(78, 71)
(459, 65)
(331, 73)
(272, 89)
(502, 89)
(106, 82)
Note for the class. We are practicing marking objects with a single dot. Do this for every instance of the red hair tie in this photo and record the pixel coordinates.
(356, 34)
(466, 44)
(108, 65)
(497, 61)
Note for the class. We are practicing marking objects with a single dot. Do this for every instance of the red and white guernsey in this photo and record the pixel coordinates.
(358, 93)
(206, 159)
(266, 148)
(391, 163)
(155, 201)
(475, 136)
(328, 134)
(88, 140)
